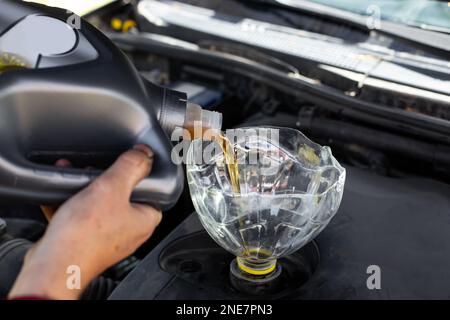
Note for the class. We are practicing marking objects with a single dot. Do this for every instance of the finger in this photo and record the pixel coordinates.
(147, 217)
(49, 211)
(63, 163)
(129, 169)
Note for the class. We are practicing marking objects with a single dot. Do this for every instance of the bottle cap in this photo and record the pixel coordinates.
(205, 119)
(211, 120)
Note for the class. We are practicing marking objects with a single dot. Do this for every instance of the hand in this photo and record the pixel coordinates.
(93, 230)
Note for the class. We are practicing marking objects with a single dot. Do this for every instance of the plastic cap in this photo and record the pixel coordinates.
(211, 120)
(195, 115)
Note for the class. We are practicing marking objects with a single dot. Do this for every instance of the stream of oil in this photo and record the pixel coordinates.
(229, 153)
(231, 162)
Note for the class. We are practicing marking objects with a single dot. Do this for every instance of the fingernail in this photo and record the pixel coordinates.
(145, 149)
(63, 163)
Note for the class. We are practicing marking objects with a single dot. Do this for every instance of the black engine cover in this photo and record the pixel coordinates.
(400, 225)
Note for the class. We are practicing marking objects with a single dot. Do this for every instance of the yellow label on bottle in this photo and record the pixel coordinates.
(10, 62)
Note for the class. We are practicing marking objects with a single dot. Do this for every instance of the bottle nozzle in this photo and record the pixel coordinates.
(196, 117)
(173, 112)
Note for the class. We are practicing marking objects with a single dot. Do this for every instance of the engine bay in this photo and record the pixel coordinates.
(385, 116)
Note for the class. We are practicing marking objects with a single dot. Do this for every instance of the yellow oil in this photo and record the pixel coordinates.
(229, 152)
(257, 261)
(231, 162)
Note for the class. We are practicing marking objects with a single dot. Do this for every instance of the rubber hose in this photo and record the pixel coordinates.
(99, 289)
(439, 155)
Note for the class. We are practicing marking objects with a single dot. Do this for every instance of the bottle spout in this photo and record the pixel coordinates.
(174, 112)
(199, 120)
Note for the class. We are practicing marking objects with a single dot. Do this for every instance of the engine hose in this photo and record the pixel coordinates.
(99, 289)
(438, 155)
(2, 227)
(12, 253)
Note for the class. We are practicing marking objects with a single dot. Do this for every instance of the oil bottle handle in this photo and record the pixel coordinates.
(23, 180)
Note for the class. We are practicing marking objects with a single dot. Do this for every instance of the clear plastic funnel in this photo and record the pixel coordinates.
(282, 190)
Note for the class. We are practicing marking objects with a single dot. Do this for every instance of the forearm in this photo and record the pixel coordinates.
(52, 273)
(38, 280)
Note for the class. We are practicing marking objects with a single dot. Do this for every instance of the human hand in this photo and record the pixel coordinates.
(93, 230)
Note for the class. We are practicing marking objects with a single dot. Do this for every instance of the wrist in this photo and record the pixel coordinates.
(54, 274)
(36, 279)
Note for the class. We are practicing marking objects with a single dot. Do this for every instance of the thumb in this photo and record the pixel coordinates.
(130, 168)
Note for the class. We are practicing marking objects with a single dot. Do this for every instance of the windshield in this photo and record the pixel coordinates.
(427, 14)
